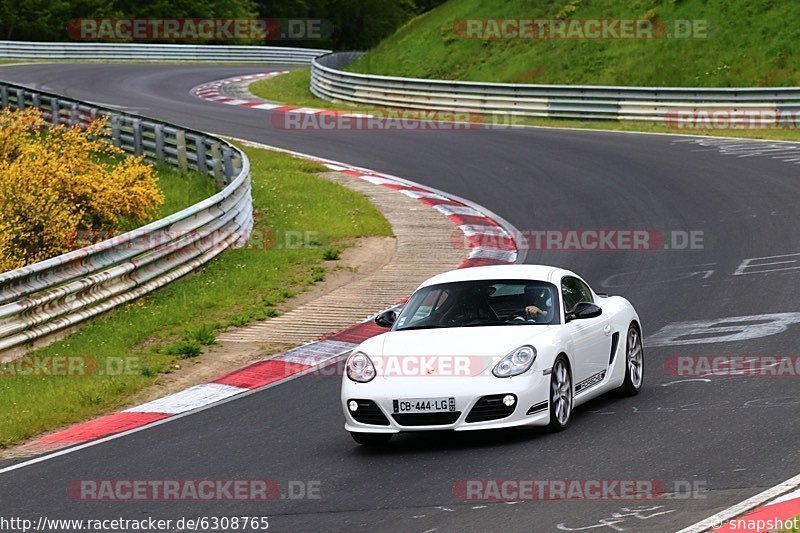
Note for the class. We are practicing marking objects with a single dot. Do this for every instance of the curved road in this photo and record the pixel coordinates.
(727, 435)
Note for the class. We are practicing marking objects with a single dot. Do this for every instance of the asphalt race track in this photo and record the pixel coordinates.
(726, 434)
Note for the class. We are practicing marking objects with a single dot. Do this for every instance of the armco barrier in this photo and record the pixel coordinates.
(39, 300)
(330, 81)
(156, 52)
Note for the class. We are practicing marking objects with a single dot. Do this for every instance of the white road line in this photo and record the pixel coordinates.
(73, 449)
(742, 507)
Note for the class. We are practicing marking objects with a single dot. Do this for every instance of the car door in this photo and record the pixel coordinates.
(591, 338)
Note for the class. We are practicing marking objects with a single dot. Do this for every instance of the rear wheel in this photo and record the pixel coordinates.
(560, 395)
(371, 439)
(634, 363)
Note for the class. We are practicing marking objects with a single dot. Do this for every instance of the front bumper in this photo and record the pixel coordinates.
(531, 391)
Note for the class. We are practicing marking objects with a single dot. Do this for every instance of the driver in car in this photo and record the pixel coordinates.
(536, 307)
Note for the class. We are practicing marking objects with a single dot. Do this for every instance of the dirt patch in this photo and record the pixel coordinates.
(366, 256)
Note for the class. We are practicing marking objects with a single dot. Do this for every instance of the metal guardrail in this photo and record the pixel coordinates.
(41, 299)
(156, 52)
(331, 82)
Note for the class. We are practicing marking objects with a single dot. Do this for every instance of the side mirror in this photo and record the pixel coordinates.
(386, 319)
(584, 310)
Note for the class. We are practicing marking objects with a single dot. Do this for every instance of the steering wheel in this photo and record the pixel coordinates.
(468, 314)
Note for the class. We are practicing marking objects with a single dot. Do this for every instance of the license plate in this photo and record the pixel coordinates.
(424, 405)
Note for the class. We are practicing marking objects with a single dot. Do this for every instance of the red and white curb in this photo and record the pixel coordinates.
(477, 228)
(770, 510)
(213, 91)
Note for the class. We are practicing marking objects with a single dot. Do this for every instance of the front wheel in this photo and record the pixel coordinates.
(560, 395)
(634, 363)
(371, 439)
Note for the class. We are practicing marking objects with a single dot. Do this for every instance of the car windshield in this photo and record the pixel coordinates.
(480, 303)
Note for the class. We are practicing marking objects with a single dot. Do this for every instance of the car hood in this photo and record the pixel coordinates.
(470, 341)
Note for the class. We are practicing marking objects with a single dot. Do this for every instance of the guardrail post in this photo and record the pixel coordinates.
(73, 115)
(200, 150)
(137, 136)
(20, 99)
(227, 163)
(237, 162)
(37, 101)
(216, 162)
(55, 107)
(180, 146)
(158, 129)
(116, 132)
(4, 95)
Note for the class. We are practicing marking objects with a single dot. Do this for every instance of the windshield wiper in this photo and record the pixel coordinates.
(408, 328)
(497, 323)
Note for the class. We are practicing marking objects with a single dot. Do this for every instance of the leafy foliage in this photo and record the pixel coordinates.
(357, 24)
(57, 183)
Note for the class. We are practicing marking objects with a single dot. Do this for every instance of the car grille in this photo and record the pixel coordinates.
(426, 419)
(490, 408)
(368, 412)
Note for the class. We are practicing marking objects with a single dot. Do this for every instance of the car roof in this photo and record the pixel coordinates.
(526, 272)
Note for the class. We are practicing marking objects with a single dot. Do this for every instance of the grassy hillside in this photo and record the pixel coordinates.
(748, 43)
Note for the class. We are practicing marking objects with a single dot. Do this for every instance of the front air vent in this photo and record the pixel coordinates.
(491, 408)
(537, 408)
(614, 343)
(368, 412)
(427, 419)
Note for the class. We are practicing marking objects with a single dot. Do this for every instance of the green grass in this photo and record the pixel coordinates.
(291, 87)
(239, 286)
(749, 43)
(182, 189)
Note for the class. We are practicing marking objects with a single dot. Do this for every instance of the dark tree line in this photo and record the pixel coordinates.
(350, 24)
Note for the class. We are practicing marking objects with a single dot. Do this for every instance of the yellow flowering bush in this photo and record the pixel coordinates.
(57, 182)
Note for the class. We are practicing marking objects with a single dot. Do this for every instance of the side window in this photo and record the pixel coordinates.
(575, 291)
(586, 292)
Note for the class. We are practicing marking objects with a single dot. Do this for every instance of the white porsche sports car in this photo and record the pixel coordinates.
(491, 347)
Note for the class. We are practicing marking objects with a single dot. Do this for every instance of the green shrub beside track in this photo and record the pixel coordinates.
(174, 322)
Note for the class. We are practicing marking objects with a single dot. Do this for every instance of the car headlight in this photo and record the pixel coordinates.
(515, 363)
(360, 367)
